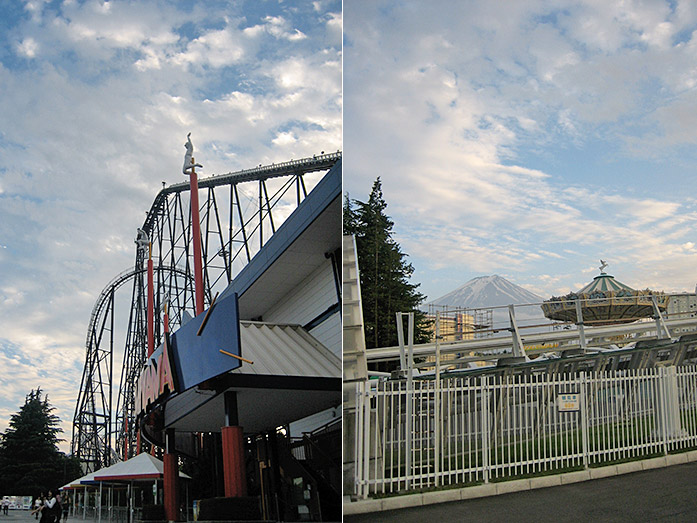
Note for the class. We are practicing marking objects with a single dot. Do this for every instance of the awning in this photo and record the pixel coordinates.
(139, 468)
(293, 376)
(78, 483)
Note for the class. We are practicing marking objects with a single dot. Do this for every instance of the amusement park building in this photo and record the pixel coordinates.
(284, 363)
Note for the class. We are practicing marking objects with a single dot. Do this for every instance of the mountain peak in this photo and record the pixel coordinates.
(487, 291)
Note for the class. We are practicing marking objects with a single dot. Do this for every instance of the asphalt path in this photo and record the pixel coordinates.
(667, 494)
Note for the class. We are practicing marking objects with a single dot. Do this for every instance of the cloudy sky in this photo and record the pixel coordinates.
(528, 139)
(96, 99)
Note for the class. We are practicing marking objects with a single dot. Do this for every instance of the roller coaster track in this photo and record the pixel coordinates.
(238, 216)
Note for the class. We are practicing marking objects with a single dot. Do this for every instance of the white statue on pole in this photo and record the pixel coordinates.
(142, 240)
(188, 157)
(603, 264)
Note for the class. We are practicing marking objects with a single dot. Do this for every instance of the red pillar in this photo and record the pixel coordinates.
(233, 462)
(171, 479)
(196, 238)
(234, 472)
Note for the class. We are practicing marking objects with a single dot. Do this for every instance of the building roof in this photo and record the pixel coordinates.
(294, 251)
(285, 350)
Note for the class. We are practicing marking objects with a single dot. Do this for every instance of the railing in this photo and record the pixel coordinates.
(106, 514)
(469, 430)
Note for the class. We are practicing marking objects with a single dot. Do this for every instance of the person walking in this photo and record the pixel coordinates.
(47, 509)
(37, 505)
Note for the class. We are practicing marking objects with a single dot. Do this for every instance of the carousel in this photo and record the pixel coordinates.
(605, 301)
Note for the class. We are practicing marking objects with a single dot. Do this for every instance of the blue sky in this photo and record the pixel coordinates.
(528, 139)
(97, 99)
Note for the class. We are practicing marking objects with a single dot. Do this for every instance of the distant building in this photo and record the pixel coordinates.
(681, 306)
(454, 326)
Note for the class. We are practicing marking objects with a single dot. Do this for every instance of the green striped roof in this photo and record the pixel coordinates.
(604, 283)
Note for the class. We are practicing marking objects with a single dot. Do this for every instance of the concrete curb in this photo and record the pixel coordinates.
(518, 485)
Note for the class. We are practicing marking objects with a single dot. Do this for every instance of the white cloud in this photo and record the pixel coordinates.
(284, 139)
(215, 48)
(28, 47)
(466, 111)
(91, 130)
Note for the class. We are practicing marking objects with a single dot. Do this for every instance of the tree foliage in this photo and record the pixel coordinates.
(29, 457)
(384, 271)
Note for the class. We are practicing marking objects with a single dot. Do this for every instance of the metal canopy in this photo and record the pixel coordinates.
(293, 376)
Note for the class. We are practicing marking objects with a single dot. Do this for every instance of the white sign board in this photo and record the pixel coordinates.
(570, 402)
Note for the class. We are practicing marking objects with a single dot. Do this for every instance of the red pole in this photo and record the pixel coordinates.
(196, 238)
(233, 462)
(151, 305)
(171, 478)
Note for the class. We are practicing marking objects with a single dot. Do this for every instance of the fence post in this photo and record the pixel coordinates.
(410, 399)
(400, 341)
(663, 387)
(359, 447)
(436, 404)
(584, 420)
(579, 323)
(485, 427)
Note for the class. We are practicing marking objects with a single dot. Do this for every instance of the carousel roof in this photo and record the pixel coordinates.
(604, 283)
(604, 301)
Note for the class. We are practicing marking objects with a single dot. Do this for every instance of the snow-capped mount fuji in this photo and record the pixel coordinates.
(487, 291)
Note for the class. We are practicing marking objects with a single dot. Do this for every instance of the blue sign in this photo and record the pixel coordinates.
(193, 354)
(198, 358)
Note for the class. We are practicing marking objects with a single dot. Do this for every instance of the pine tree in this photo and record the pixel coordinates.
(384, 270)
(29, 457)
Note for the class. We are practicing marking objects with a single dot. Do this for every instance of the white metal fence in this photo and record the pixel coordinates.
(459, 431)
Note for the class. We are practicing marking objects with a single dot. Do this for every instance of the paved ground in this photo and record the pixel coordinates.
(667, 494)
(17, 515)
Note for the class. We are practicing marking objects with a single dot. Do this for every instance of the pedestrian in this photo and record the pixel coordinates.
(65, 503)
(37, 505)
(47, 514)
(58, 509)
(6, 506)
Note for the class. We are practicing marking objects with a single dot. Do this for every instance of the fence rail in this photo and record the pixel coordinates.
(460, 431)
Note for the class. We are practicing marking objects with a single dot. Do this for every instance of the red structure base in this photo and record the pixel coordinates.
(171, 479)
(233, 462)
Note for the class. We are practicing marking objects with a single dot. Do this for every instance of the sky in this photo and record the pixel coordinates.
(96, 100)
(528, 139)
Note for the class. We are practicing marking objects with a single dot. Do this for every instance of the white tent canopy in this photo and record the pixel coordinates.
(78, 482)
(140, 467)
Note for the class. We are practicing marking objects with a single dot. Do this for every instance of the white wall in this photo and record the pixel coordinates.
(308, 300)
(328, 333)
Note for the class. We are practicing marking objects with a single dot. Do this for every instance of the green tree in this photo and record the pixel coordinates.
(384, 271)
(29, 457)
